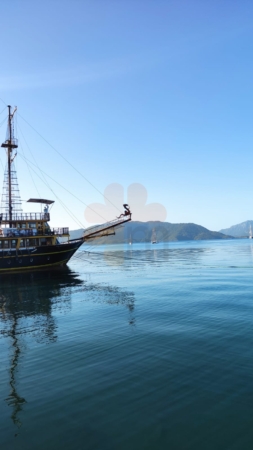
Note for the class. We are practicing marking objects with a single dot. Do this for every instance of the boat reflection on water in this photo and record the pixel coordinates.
(28, 302)
(31, 296)
(14, 400)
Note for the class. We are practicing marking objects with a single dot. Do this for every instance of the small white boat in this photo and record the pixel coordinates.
(153, 238)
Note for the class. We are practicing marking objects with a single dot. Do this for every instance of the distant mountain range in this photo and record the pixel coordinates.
(240, 230)
(165, 232)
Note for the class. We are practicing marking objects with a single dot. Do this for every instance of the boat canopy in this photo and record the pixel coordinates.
(40, 200)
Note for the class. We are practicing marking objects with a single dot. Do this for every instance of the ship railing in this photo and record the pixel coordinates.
(61, 231)
(19, 232)
(24, 216)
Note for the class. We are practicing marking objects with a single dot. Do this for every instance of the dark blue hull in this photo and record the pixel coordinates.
(37, 258)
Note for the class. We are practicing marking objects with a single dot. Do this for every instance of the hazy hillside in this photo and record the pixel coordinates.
(240, 230)
(165, 232)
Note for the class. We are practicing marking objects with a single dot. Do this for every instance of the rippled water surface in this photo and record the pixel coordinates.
(137, 347)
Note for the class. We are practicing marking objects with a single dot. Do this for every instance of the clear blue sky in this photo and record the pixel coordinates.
(151, 92)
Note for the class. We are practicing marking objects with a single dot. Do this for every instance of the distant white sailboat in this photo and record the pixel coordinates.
(130, 240)
(250, 232)
(153, 238)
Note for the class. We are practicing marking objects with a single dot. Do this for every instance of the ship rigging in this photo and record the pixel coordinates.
(27, 241)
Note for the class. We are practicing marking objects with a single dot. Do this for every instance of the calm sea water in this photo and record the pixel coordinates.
(135, 347)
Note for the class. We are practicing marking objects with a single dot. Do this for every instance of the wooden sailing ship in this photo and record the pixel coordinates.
(27, 241)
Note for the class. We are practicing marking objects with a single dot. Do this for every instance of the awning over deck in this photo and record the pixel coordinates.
(40, 200)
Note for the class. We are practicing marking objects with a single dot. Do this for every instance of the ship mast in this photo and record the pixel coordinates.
(10, 144)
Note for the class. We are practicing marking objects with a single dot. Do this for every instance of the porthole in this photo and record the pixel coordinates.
(31, 259)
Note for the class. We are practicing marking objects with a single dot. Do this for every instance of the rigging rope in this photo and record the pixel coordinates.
(49, 187)
(43, 179)
(28, 165)
(3, 121)
(109, 255)
(67, 190)
(68, 162)
(43, 173)
(3, 110)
